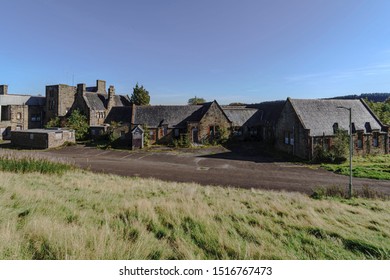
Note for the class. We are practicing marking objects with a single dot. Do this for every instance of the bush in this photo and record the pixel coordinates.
(182, 142)
(337, 152)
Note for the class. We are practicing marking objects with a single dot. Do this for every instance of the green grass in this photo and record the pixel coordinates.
(30, 164)
(82, 215)
(373, 167)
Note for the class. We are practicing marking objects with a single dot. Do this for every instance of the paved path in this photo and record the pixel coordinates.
(221, 167)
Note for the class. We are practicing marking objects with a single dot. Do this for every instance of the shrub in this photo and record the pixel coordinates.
(337, 153)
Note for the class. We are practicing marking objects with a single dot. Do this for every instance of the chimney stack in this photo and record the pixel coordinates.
(101, 86)
(3, 89)
(133, 108)
(81, 88)
(111, 95)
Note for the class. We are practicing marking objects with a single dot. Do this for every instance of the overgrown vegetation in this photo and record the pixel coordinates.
(76, 121)
(12, 163)
(381, 110)
(337, 153)
(54, 122)
(92, 216)
(182, 142)
(79, 123)
(340, 192)
(373, 167)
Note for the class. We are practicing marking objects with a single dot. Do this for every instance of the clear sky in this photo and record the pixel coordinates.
(232, 51)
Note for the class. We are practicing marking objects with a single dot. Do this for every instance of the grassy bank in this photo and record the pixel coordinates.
(14, 163)
(373, 167)
(81, 215)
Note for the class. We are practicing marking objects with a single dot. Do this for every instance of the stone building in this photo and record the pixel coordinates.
(304, 123)
(42, 138)
(18, 112)
(96, 103)
(200, 123)
(59, 101)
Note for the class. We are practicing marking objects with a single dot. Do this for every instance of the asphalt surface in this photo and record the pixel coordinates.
(215, 166)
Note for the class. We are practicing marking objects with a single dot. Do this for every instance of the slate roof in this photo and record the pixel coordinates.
(269, 111)
(242, 116)
(319, 115)
(98, 101)
(119, 114)
(173, 116)
(17, 99)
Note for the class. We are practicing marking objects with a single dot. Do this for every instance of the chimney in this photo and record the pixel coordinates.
(100, 86)
(132, 114)
(3, 89)
(81, 88)
(111, 95)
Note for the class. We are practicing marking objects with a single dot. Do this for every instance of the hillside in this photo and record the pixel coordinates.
(374, 97)
(81, 215)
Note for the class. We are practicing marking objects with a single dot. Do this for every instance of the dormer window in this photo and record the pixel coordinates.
(335, 127)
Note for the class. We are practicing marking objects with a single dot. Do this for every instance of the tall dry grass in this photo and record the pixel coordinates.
(81, 215)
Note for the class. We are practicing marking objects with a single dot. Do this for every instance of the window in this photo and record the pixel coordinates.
(31, 136)
(360, 140)
(52, 104)
(375, 139)
(211, 130)
(291, 138)
(165, 130)
(5, 113)
(18, 116)
(35, 118)
(152, 135)
(335, 127)
(123, 134)
(286, 137)
(18, 127)
(177, 132)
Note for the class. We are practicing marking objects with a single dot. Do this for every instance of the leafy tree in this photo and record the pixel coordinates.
(140, 96)
(237, 104)
(79, 123)
(381, 110)
(196, 101)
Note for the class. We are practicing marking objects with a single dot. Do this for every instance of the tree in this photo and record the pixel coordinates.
(381, 110)
(79, 123)
(140, 95)
(237, 104)
(196, 101)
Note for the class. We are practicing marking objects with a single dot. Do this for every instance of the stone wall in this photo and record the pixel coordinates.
(214, 118)
(290, 136)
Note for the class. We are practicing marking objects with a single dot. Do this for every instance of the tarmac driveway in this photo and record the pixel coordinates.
(210, 166)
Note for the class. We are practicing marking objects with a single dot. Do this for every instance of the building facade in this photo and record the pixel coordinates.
(18, 112)
(306, 124)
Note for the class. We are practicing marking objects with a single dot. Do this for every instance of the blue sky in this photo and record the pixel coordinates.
(232, 51)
